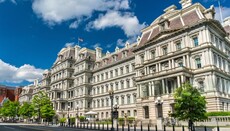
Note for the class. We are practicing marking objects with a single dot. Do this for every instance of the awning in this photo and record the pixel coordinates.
(91, 113)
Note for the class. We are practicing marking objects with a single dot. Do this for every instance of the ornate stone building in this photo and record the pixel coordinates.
(181, 45)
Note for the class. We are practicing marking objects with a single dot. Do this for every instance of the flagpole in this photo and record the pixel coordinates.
(221, 17)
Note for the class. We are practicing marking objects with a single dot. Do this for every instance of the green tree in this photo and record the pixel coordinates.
(10, 109)
(26, 110)
(42, 106)
(189, 104)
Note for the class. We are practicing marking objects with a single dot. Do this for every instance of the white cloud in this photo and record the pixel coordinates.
(96, 45)
(12, 1)
(126, 21)
(13, 74)
(225, 12)
(57, 11)
(120, 43)
(69, 44)
(75, 24)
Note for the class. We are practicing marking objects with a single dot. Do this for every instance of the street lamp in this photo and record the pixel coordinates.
(68, 116)
(77, 108)
(111, 94)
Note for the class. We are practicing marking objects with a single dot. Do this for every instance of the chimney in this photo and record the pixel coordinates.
(185, 3)
(117, 49)
(98, 52)
(77, 49)
(35, 82)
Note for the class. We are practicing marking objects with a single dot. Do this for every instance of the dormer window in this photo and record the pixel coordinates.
(124, 53)
(163, 24)
(114, 57)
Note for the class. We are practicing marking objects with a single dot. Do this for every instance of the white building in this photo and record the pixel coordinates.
(180, 45)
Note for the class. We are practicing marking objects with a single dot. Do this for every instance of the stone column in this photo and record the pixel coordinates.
(184, 62)
(157, 69)
(163, 86)
(182, 79)
(166, 86)
(173, 63)
(178, 81)
(170, 67)
(150, 88)
(188, 61)
(153, 89)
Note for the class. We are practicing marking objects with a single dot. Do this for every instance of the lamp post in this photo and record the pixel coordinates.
(159, 101)
(77, 108)
(68, 116)
(116, 106)
(111, 94)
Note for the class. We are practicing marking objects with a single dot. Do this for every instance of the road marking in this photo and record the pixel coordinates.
(9, 127)
(35, 128)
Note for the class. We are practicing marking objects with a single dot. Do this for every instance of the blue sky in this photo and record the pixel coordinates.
(32, 32)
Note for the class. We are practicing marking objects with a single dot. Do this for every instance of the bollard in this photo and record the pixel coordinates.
(122, 127)
(98, 126)
(173, 128)
(148, 128)
(128, 128)
(218, 128)
(164, 128)
(103, 127)
(182, 128)
(84, 125)
(156, 127)
(134, 127)
(205, 128)
(95, 126)
(107, 126)
(87, 125)
(117, 127)
(141, 127)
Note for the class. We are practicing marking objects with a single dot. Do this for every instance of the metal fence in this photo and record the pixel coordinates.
(107, 127)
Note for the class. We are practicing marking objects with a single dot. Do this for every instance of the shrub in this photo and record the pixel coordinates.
(82, 118)
(130, 120)
(62, 120)
(121, 121)
(220, 113)
(72, 120)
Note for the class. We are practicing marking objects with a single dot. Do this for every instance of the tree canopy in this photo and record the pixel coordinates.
(26, 110)
(42, 106)
(10, 109)
(189, 104)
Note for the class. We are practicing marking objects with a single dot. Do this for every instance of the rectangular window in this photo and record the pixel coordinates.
(153, 54)
(121, 69)
(178, 45)
(198, 63)
(116, 85)
(195, 41)
(128, 99)
(116, 72)
(165, 50)
(111, 74)
(122, 100)
(180, 64)
(142, 59)
(127, 69)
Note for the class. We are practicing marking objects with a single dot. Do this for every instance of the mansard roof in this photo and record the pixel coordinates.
(178, 20)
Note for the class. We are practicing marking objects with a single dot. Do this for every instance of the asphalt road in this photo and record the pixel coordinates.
(36, 128)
